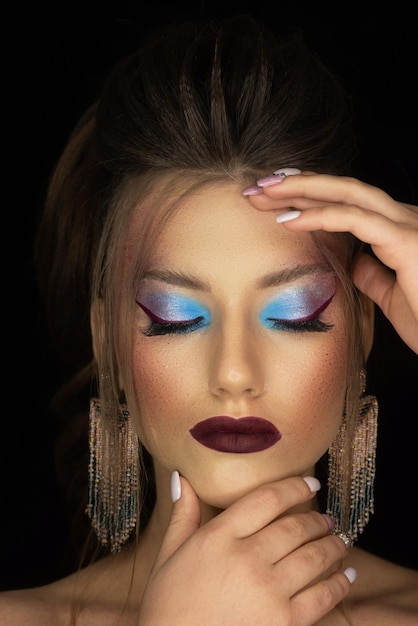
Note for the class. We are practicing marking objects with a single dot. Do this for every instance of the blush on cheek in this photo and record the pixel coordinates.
(331, 391)
(156, 383)
(320, 389)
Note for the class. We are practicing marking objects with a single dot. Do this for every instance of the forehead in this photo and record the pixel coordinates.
(216, 230)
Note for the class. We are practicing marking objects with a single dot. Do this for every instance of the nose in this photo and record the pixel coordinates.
(236, 365)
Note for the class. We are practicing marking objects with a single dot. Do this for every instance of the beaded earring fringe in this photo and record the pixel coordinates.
(113, 475)
(354, 485)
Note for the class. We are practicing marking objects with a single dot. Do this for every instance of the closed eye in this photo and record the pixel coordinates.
(172, 328)
(315, 325)
(310, 323)
(159, 326)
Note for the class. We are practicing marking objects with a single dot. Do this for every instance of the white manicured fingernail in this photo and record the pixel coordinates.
(287, 171)
(313, 483)
(175, 486)
(351, 574)
(286, 217)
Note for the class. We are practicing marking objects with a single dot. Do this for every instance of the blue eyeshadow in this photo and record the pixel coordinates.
(174, 307)
(296, 304)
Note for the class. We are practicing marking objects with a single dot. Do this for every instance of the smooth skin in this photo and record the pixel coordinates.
(266, 559)
(237, 366)
(235, 263)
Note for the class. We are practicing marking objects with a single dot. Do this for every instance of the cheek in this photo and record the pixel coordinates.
(324, 390)
(317, 384)
(159, 387)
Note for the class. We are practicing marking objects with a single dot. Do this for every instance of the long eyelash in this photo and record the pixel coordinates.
(311, 324)
(314, 325)
(157, 328)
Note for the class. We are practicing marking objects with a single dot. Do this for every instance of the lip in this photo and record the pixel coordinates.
(237, 436)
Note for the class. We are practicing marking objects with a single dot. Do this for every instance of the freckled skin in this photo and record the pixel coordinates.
(236, 365)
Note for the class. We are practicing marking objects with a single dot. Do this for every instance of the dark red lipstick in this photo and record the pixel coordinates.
(243, 435)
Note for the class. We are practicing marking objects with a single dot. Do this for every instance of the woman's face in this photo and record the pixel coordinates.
(236, 318)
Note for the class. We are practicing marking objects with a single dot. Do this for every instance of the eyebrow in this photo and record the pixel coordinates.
(272, 279)
(290, 274)
(177, 278)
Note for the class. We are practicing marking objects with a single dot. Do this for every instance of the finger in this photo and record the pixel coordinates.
(321, 597)
(263, 202)
(307, 563)
(324, 188)
(374, 280)
(400, 305)
(396, 245)
(185, 520)
(260, 507)
(388, 239)
(288, 533)
(377, 282)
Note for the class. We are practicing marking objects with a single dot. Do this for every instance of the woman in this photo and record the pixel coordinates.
(200, 255)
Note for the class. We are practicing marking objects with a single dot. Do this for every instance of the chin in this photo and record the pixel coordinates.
(220, 489)
(222, 500)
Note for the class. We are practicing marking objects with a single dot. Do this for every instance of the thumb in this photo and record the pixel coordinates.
(375, 280)
(185, 518)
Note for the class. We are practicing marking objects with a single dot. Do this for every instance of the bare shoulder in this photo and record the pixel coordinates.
(384, 592)
(99, 594)
(34, 607)
(64, 603)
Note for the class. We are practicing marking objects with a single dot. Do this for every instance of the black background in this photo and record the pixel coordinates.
(55, 65)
